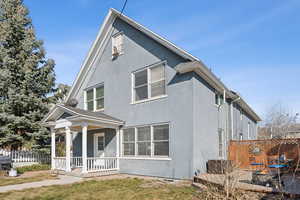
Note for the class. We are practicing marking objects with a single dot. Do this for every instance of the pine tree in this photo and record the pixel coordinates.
(26, 79)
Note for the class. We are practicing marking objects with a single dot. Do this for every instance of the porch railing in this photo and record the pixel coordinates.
(60, 163)
(101, 164)
(76, 162)
(94, 164)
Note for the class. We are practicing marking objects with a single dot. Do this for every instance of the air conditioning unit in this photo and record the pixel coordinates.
(115, 52)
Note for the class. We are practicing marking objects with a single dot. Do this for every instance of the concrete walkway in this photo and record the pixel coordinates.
(61, 181)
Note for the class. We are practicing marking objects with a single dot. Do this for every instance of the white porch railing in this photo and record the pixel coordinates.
(60, 163)
(95, 164)
(76, 162)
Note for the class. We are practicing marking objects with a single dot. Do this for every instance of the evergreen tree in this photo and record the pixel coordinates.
(26, 79)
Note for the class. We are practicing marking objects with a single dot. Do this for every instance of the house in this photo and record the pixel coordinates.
(141, 105)
(284, 131)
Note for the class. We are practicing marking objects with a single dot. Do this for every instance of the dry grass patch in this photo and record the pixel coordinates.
(115, 189)
(26, 178)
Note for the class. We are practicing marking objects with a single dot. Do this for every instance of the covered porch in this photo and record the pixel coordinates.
(92, 140)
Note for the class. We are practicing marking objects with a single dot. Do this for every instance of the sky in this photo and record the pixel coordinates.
(252, 46)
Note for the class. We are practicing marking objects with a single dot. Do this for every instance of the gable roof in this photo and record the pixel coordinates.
(59, 109)
(193, 64)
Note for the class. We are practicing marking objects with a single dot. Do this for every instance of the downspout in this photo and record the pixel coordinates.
(222, 124)
(225, 125)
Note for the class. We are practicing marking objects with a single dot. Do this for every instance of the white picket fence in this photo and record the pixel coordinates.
(26, 156)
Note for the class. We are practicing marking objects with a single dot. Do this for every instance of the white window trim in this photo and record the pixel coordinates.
(144, 157)
(94, 88)
(133, 101)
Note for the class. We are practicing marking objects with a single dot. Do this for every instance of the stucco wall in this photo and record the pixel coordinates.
(205, 112)
(188, 108)
(240, 124)
(139, 52)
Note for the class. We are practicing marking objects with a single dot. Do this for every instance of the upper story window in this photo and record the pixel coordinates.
(94, 98)
(219, 100)
(117, 44)
(149, 83)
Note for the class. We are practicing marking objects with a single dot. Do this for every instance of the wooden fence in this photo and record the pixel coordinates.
(258, 154)
(26, 156)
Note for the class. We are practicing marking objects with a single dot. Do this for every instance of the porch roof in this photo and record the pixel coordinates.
(67, 113)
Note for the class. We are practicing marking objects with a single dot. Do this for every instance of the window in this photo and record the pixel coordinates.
(94, 98)
(241, 114)
(117, 44)
(141, 85)
(149, 83)
(219, 99)
(146, 141)
(248, 130)
(220, 136)
(99, 98)
(100, 143)
(129, 142)
(90, 99)
(161, 140)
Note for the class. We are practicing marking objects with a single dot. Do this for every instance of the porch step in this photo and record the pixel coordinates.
(77, 173)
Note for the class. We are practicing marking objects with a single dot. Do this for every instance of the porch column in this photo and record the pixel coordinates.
(68, 149)
(118, 147)
(84, 147)
(52, 148)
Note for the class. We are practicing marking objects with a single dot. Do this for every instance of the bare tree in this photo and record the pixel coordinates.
(278, 122)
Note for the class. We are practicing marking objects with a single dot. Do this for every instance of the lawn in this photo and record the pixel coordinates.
(26, 179)
(115, 189)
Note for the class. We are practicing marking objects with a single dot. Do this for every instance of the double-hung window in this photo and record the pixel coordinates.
(149, 83)
(220, 137)
(94, 98)
(219, 100)
(146, 141)
(90, 100)
(129, 142)
(161, 140)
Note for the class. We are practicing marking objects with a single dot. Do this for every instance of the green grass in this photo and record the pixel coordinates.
(115, 189)
(19, 180)
(36, 167)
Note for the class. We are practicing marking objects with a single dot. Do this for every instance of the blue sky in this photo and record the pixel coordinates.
(253, 46)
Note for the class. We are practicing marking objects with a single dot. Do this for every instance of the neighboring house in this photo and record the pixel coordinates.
(146, 107)
(288, 131)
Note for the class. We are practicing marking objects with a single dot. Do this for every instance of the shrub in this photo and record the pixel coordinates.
(36, 167)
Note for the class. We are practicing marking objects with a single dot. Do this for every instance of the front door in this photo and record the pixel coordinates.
(99, 144)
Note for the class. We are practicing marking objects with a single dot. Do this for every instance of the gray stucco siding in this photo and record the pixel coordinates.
(241, 126)
(140, 51)
(188, 107)
(205, 142)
